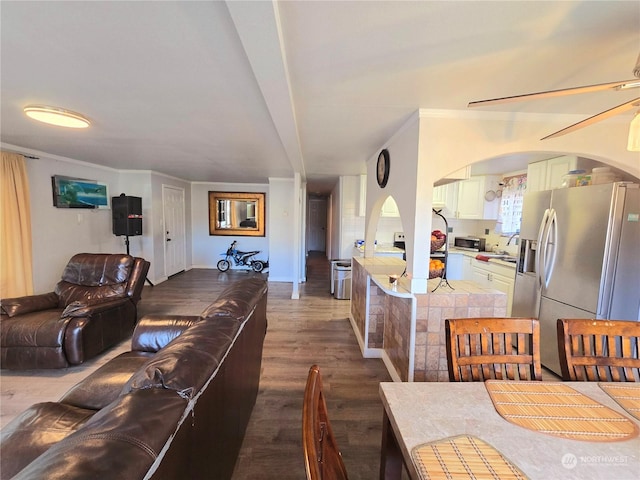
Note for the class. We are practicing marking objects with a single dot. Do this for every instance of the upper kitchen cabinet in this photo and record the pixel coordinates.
(477, 198)
(445, 192)
(463, 174)
(445, 198)
(472, 199)
(547, 174)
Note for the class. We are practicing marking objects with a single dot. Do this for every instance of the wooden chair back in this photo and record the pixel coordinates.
(599, 350)
(480, 349)
(322, 458)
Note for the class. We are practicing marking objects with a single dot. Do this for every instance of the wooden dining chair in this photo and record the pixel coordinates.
(599, 350)
(322, 458)
(480, 349)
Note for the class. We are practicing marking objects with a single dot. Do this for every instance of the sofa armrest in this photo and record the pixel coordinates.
(31, 303)
(94, 328)
(83, 309)
(137, 279)
(154, 332)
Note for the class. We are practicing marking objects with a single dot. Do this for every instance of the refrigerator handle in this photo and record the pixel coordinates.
(540, 254)
(551, 247)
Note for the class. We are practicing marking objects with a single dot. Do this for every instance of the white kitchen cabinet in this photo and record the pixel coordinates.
(462, 174)
(455, 266)
(389, 208)
(536, 177)
(547, 174)
(467, 267)
(471, 198)
(445, 198)
(445, 192)
(495, 276)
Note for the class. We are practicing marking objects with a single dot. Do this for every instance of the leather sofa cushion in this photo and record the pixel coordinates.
(93, 270)
(237, 300)
(187, 363)
(105, 384)
(34, 340)
(32, 303)
(154, 332)
(35, 329)
(36, 429)
(121, 441)
(88, 278)
(82, 296)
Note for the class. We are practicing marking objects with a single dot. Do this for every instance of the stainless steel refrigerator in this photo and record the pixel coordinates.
(579, 258)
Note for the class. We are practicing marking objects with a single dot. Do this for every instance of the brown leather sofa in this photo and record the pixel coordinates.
(175, 406)
(93, 307)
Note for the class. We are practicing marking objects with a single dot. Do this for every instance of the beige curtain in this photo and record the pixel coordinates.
(16, 277)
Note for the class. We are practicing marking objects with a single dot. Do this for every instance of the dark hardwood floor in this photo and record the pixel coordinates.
(313, 329)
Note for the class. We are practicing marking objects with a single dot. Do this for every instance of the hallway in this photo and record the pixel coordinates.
(314, 329)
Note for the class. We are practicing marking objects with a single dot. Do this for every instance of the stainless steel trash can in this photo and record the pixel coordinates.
(342, 281)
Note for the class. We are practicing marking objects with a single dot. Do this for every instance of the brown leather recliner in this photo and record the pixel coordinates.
(92, 308)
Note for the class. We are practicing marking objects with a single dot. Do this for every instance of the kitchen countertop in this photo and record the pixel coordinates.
(469, 253)
(383, 248)
(379, 268)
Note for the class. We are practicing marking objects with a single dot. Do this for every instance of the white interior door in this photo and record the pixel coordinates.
(174, 233)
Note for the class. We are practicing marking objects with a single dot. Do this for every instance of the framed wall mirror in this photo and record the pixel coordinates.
(236, 213)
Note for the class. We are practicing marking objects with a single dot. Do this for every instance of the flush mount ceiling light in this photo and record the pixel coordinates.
(56, 116)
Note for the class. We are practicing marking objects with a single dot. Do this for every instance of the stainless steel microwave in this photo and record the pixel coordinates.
(470, 243)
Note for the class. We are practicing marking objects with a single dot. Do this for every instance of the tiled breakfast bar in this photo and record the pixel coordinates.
(407, 329)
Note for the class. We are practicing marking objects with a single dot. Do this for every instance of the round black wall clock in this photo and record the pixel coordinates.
(382, 170)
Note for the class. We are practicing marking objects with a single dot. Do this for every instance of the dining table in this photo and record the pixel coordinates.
(427, 424)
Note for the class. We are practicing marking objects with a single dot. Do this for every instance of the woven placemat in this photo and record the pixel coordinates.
(557, 409)
(626, 394)
(463, 456)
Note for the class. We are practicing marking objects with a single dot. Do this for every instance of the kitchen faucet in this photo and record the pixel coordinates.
(517, 234)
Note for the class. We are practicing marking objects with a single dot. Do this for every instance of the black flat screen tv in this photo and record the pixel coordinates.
(79, 193)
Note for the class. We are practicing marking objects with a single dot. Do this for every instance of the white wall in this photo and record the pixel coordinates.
(282, 226)
(409, 194)
(148, 186)
(352, 225)
(451, 140)
(207, 248)
(138, 184)
(429, 146)
(336, 225)
(60, 233)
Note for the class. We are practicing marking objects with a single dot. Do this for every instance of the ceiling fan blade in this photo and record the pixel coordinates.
(597, 118)
(558, 93)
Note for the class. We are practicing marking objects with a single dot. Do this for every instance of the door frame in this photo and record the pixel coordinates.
(182, 233)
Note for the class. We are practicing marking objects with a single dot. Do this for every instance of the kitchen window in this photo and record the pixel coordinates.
(510, 209)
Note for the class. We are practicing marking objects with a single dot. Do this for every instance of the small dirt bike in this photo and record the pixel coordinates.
(241, 259)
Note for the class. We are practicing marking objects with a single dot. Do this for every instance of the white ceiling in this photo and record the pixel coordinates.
(244, 91)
